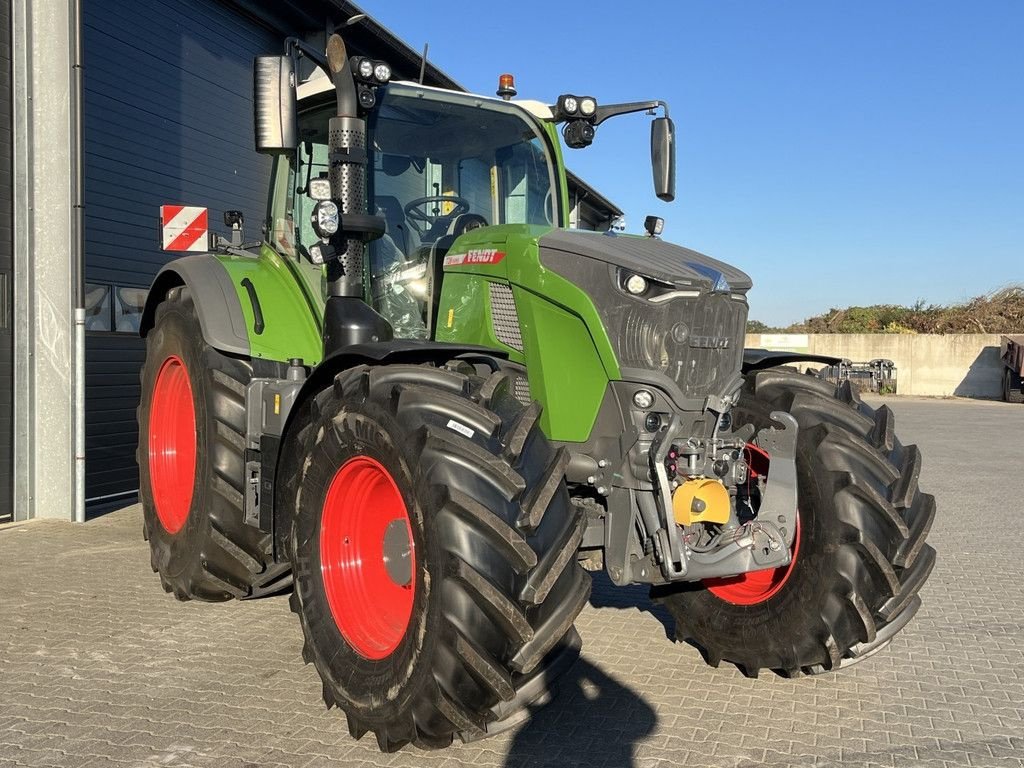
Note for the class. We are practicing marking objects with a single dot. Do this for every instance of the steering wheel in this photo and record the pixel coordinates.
(421, 220)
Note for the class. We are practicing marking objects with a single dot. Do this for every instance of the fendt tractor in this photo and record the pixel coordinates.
(429, 408)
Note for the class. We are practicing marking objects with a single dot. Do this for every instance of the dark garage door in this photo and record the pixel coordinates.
(6, 268)
(167, 119)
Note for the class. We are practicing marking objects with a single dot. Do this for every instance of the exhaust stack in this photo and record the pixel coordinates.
(346, 146)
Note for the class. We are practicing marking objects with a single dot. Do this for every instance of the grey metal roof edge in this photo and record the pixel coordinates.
(592, 195)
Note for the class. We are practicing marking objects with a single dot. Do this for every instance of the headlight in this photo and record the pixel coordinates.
(325, 218)
(382, 72)
(636, 285)
(588, 106)
(365, 69)
(569, 105)
(643, 399)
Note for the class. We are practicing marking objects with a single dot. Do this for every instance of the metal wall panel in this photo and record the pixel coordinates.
(6, 270)
(167, 119)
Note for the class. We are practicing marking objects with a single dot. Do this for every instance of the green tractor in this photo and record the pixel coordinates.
(429, 408)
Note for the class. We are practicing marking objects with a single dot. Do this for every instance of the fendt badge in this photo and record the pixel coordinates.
(710, 342)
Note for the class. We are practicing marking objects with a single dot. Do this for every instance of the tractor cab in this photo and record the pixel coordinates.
(439, 164)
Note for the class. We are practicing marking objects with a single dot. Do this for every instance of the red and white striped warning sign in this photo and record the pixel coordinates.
(185, 228)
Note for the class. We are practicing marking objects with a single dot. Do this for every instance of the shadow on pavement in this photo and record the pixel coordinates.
(592, 720)
(634, 597)
(101, 508)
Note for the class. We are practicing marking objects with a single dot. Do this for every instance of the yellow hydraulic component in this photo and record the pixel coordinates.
(701, 501)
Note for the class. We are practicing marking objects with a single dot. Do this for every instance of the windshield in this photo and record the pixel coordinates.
(441, 164)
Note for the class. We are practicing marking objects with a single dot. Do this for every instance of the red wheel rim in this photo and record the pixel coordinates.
(367, 557)
(756, 586)
(172, 444)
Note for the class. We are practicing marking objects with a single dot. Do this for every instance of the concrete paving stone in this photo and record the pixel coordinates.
(98, 667)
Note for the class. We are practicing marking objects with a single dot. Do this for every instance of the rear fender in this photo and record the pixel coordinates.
(216, 301)
(259, 306)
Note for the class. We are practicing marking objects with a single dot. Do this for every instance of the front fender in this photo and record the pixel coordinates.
(759, 359)
(397, 351)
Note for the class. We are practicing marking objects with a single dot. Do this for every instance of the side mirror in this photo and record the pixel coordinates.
(663, 158)
(274, 107)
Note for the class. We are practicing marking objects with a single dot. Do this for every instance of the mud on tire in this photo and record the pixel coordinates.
(862, 551)
(214, 555)
(496, 586)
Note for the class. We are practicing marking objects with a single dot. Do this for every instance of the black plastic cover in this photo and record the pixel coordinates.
(651, 257)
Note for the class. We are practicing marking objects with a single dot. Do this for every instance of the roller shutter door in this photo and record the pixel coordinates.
(167, 119)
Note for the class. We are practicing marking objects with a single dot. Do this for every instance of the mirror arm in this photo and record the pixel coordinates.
(613, 110)
(305, 49)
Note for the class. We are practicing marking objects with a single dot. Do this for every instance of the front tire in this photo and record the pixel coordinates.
(434, 550)
(192, 464)
(859, 557)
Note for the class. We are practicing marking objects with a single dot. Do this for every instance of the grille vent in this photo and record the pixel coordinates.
(504, 317)
(521, 390)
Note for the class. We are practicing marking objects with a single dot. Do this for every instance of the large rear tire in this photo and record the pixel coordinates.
(192, 464)
(1013, 388)
(859, 557)
(434, 548)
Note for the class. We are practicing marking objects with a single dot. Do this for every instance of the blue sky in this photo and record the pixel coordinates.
(841, 153)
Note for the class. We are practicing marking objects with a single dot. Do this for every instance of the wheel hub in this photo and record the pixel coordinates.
(398, 552)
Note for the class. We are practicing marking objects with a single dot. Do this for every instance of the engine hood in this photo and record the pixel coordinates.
(651, 257)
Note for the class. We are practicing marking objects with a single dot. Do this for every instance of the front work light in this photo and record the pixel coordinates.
(381, 72)
(319, 189)
(568, 107)
(654, 225)
(325, 218)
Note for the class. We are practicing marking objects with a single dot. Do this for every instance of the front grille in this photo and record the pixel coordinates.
(695, 341)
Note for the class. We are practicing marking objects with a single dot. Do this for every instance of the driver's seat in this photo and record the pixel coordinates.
(394, 215)
(435, 260)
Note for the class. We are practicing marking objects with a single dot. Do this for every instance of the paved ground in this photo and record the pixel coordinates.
(99, 667)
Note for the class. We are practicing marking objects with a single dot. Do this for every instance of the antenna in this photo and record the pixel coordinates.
(423, 62)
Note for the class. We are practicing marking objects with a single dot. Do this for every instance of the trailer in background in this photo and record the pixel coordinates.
(874, 376)
(1011, 351)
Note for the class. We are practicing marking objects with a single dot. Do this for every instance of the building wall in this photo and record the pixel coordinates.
(44, 227)
(932, 365)
(6, 271)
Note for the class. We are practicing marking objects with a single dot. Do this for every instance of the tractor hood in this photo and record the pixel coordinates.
(687, 334)
(650, 257)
